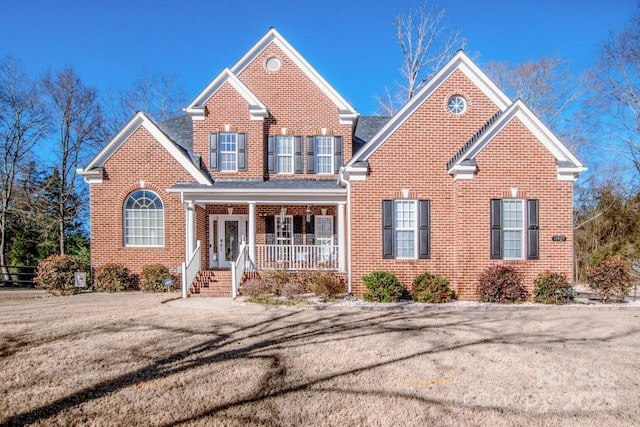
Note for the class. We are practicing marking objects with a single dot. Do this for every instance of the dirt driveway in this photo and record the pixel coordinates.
(129, 359)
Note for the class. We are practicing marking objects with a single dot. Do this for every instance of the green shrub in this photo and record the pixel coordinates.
(56, 274)
(383, 287)
(326, 285)
(153, 276)
(610, 280)
(112, 277)
(552, 288)
(501, 283)
(431, 289)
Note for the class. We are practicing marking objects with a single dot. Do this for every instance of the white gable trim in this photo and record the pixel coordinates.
(568, 165)
(460, 61)
(257, 109)
(140, 119)
(347, 113)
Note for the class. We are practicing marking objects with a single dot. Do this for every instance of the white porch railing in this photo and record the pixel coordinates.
(297, 257)
(190, 269)
(239, 267)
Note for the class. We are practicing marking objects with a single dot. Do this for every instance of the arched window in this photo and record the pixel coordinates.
(143, 219)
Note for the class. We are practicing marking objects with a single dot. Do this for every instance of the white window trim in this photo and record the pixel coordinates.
(318, 217)
(124, 222)
(277, 240)
(331, 155)
(414, 229)
(279, 155)
(522, 229)
(220, 152)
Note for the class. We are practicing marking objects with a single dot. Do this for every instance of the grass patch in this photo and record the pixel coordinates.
(270, 300)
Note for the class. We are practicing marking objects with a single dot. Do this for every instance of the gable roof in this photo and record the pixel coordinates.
(464, 160)
(367, 128)
(93, 169)
(460, 61)
(347, 113)
(257, 109)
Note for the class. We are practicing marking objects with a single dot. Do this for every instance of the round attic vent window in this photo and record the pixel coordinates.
(273, 64)
(457, 104)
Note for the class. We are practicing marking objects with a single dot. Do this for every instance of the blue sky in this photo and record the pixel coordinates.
(351, 43)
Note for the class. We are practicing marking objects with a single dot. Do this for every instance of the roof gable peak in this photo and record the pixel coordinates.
(196, 109)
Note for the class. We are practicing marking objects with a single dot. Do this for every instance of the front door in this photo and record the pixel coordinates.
(226, 233)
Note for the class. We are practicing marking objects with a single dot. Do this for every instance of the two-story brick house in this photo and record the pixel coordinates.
(271, 168)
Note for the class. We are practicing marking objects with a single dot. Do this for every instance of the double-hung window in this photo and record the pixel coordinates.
(324, 154)
(514, 229)
(143, 219)
(284, 154)
(406, 232)
(228, 146)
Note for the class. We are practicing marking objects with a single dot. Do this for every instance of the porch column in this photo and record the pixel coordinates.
(342, 246)
(191, 229)
(252, 232)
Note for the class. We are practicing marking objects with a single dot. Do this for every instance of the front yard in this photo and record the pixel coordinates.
(129, 359)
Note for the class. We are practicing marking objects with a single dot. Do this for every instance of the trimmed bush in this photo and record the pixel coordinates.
(55, 274)
(112, 277)
(327, 285)
(256, 287)
(552, 288)
(277, 279)
(292, 289)
(153, 276)
(383, 287)
(430, 288)
(610, 280)
(501, 283)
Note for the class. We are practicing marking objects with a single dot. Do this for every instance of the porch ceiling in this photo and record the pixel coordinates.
(300, 191)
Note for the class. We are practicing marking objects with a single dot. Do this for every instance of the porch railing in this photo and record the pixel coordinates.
(190, 269)
(297, 257)
(239, 267)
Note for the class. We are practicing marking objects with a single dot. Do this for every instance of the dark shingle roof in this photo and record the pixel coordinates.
(366, 129)
(180, 130)
(461, 152)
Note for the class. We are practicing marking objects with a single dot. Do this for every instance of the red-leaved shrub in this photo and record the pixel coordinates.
(610, 280)
(501, 283)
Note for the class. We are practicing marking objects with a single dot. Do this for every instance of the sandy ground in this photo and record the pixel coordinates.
(130, 359)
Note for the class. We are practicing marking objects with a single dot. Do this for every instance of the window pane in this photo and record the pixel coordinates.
(284, 154)
(143, 219)
(512, 244)
(512, 212)
(405, 244)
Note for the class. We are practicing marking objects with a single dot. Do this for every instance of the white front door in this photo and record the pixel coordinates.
(226, 232)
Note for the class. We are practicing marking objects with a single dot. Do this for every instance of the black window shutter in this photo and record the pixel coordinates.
(496, 229)
(311, 234)
(532, 229)
(242, 152)
(424, 229)
(297, 229)
(271, 158)
(270, 230)
(311, 154)
(213, 151)
(387, 229)
(298, 154)
(338, 152)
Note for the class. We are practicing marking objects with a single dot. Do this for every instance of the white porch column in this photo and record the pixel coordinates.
(342, 246)
(252, 232)
(191, 229)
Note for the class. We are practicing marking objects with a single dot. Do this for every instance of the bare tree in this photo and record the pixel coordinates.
(160, 95)
(546, 85)
(23, 123)
(78, 121)
(616, 85)
(426, 43)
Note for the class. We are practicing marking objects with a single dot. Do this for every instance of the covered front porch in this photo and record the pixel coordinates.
(252, 226)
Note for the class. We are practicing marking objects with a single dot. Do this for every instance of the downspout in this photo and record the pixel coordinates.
(345, 183)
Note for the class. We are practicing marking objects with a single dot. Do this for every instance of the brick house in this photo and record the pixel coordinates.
(271, 168)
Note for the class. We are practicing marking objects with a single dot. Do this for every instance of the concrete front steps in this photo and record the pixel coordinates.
(212, 283)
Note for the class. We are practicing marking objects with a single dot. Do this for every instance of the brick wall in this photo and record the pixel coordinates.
(140, 158)
(414, 158)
